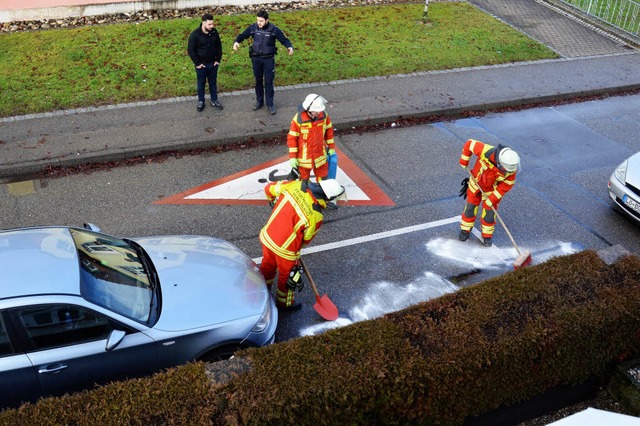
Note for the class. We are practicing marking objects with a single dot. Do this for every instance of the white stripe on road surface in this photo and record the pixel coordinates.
(374, 237)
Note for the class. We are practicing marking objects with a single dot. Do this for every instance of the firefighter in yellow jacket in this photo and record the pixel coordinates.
(495, 171)
(310, 138)
(294, 221)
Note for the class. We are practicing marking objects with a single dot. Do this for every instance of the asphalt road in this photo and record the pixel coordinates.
(372, 259)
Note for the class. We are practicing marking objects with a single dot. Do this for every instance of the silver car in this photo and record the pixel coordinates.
(78, 307)
(624, 186)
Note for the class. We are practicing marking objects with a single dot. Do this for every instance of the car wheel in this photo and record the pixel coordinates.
(221, 353)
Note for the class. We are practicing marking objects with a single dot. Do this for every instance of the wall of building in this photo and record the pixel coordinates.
(30, 10)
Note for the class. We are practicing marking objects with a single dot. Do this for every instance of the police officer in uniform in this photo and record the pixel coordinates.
(262, 53)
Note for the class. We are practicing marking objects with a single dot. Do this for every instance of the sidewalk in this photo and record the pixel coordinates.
(30, 144)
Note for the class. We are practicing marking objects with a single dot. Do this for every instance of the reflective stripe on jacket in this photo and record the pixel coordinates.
(309, 140)
(494, 182)
(294, 221)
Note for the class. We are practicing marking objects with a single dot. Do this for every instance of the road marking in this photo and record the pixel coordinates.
(380, 235)
(247, 187)
(374, 237)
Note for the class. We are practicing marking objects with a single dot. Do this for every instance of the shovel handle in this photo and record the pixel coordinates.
(306, 272)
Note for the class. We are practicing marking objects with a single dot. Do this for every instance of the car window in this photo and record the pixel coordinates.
(5, 344)
(112, 275)
(50, 326)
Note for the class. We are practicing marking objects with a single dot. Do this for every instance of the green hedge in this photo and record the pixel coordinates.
(438, 362)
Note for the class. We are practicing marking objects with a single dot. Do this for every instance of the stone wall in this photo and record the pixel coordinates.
(161, 9)
(49, 12)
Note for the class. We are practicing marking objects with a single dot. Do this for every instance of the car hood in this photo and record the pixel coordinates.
(204, 281)
(633, 170)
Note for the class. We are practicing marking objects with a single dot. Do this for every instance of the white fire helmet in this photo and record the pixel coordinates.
(332, 189)
(509, 159)
(314, 103)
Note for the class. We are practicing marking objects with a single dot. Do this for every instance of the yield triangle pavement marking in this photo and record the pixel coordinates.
(247, 187)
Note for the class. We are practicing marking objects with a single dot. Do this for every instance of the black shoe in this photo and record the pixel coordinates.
(464, 235)
(257, 106)
(216, 105)
(295, 307)
(200, 106)
(332, 206)
(487, 242)
(272, 110)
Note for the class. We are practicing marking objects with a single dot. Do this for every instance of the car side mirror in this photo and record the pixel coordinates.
(115, 337)
(91, 227)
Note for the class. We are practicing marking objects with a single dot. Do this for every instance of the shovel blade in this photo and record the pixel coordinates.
(326, 308)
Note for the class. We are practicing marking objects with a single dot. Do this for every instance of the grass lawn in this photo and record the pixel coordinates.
(69, 68)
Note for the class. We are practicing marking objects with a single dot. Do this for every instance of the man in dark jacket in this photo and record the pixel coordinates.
(262, 53)
(205, 50)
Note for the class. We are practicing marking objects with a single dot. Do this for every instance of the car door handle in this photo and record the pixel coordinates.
(52, 369)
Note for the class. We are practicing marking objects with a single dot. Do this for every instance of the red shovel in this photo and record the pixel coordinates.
(324, 306)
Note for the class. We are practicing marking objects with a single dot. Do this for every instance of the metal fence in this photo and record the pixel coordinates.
(623, 14)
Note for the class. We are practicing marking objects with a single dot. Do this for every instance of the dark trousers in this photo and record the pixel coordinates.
(208, 73)
(264, 71)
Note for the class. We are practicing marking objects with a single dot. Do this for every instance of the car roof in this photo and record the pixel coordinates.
(36, 261)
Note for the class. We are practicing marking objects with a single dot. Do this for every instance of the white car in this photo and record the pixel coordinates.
(624, 186)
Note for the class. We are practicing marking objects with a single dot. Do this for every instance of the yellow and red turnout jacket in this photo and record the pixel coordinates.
(294, 221)
(309, 140)
(493, 181)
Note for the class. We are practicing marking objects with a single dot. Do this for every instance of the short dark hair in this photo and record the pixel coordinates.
(263, 14)
(207, 17)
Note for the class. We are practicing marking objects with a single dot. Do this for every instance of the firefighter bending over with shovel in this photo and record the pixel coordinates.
(294, 221)
(492, 176)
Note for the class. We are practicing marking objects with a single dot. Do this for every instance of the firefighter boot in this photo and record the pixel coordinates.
(487, 242)
(464, 235)
(293, 307)
(285, 302)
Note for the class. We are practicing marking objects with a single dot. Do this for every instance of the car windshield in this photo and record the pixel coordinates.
(112, 275)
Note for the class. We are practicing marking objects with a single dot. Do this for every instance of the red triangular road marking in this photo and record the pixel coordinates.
(365, 190)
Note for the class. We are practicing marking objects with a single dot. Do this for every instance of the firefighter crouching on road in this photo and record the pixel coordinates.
(310, 138)
(495, 171)
(294, 221)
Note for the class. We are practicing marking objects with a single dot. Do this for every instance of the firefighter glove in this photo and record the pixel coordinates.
(294, 174)
(463, 190)
(293, 162)
(332, 152)
(294, 282)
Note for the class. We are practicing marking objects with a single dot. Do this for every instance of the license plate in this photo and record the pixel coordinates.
(631, 203)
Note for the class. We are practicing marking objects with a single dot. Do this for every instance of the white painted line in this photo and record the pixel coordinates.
(380, 235)
(374, 237)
